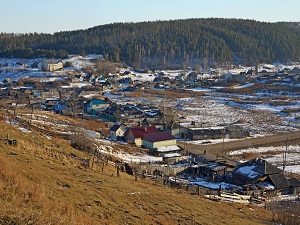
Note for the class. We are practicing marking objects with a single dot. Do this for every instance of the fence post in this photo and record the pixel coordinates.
(118, 173)
(198, 190)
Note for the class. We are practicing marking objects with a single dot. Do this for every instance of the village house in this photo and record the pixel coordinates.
(258, 174)
(163, 144)
(117, 131)
(194, 132)
(295, 186)
(134, 135)
(6, 82)
(50, 65)
(215, 171)
(156, 140)
(95, 105)
(123, 113)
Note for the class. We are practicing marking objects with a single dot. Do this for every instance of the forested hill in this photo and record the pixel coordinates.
(164, 44)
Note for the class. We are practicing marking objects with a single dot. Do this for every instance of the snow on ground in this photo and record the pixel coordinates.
(126, 157)
(243, 86)
(214, 185)
(24, 130)
(79, 62)
(144, 77)
(293, 169)
(200, 89)
(292, 148)
(292, 156)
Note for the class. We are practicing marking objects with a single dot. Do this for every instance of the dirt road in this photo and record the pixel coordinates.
(220, 148)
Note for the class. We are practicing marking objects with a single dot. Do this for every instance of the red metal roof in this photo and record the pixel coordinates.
(160, 136)
(139, 132)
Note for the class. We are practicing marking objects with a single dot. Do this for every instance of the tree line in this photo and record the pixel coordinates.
(166, 44)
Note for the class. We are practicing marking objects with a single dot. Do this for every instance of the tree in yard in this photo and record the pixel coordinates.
(38, 85)
(20, 83)
(67, 64)
(57, 84)
(104, 67)
(83, 53)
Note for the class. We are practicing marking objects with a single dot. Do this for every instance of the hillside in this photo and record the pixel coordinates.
(167, 44)
(47, 182)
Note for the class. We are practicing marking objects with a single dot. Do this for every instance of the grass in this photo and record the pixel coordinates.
(41, 182)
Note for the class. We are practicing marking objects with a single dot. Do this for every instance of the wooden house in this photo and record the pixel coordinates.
(205, 133)
(262, 174)
(236, 132)
(194, 132)
(214, 171)
(295, 186)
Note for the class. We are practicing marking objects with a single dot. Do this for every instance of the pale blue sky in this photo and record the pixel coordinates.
(49, 16)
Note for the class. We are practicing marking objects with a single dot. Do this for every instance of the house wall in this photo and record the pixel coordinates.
(295, 190)
(119, 132)
(48, 65)
(147, 144)
(164, 143)
(130, 139)
(138, 142)
(97, 107)
(53, 67)
(176, 132)
(113, 135)
(151, 145)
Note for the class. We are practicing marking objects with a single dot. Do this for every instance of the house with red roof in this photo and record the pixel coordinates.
(162, 144)
(135, 134)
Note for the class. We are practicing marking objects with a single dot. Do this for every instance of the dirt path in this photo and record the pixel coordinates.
(274, 140)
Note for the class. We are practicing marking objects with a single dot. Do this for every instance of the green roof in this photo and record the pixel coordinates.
(97, 101)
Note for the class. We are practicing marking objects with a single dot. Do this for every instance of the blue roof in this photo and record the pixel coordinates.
(97, 101)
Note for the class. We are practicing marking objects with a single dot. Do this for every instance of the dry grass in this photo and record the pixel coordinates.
(248, 155)
(167, 94)
(41, 183)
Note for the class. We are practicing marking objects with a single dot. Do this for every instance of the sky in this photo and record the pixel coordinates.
(49, 16)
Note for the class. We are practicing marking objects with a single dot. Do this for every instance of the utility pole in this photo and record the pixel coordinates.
(223, 145)
(284, 154)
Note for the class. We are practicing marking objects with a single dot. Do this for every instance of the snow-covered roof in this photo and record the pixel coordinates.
(248, 171)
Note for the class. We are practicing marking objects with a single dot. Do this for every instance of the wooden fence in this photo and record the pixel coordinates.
(286, 218)
(27, 125)
(181, 184)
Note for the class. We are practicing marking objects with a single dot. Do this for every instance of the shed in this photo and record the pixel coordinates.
(295, 186)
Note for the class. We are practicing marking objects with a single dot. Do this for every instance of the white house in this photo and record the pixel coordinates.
(50, 65)
(117, 131)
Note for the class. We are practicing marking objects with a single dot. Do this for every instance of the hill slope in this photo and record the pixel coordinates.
(167, 44)
(44, 183)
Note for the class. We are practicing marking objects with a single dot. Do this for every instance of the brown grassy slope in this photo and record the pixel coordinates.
(41, 184)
